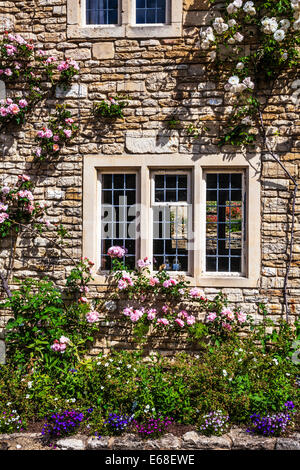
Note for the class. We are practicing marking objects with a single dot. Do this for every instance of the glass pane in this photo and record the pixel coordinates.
(101, 11)
(170, 222)
(150, 11)
(117, 227)
(224, 222)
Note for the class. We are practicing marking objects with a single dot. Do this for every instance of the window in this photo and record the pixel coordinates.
(118, 216)
(224, 222)
(124, 18)
(101, 12)
(199, 217)
(171, 215)
(150, 11)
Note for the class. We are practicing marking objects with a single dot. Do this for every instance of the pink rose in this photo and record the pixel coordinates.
(3, 217)
(67, 133)
(153, 281)
(116, 252)
(23, 103)
(151, 314)
(211, 316)
(92, 316)
(163, 321)
(191, 320)
(197, 293)
(242, 317)
(13, 109)
(179, 322)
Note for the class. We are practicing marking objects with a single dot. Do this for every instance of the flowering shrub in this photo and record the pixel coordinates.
(274, 27)
(117, 423)
(143, 286)
(64, 423)
(61, 129)
(111, 108)
(44, 329)
(17, 206)
(10, 422)
(19, 60)
(273, 424)
(15, 52)
(154, 427)
(13, 110)
(214, 423)
(79, 277)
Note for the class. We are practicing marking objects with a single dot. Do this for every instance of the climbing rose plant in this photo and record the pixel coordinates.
(178, 305)
(18, 207)
(21, 61)
(270, 30)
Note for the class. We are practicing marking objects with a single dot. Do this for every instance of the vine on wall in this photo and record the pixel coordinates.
(269, 32)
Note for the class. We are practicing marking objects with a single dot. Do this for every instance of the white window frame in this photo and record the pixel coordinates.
(145, 165)
(127, 27)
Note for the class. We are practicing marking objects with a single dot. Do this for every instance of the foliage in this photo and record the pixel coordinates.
(17, 206)
(40, 318)
(20, 61)
(236, 376)
(214, 423)
(79, 278)
(64, 423)
(153, 428)
(274, 29)
(273, 424)
(61, 129)
(111, 108)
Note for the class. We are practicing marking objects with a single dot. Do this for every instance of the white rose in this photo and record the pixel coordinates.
(238, 37)
(296, 25)
(234, 80)
(238, 3)
(284, 24)
(279, 35)
(248, 82)
(231, 8)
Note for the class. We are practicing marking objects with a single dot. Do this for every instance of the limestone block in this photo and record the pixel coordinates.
(131, 86)
(70, 444)
(76, 90)
(72, 12)
(195, 440)
(2, 90)
(103, 50)
(79, 54)
(139, 142)
(160, 81)
(7, 23)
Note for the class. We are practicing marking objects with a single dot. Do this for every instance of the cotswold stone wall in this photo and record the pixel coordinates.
(163, 77)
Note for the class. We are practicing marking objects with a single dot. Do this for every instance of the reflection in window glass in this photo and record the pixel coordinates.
(150, 11)
(170, 222)
(224, 222)
(101, 11)
(118, 216)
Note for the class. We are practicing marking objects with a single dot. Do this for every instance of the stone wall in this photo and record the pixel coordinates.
(163, 77)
